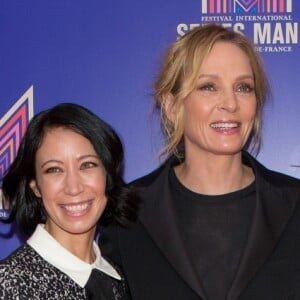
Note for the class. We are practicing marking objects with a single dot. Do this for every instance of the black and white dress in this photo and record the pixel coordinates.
(43, 269)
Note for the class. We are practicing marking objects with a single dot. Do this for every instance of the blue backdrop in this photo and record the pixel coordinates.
(104, 54)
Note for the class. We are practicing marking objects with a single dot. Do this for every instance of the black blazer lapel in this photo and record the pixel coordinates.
(157, 216)
(274, 207)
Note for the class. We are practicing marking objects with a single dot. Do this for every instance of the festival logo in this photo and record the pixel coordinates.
(270, 24)
(246, 6)
(12, 128)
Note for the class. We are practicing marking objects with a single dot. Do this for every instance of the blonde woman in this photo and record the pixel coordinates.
(214, 224)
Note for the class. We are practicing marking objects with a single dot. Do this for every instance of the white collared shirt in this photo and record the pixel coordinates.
(54, 253)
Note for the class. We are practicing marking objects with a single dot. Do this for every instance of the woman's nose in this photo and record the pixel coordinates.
(73, 183)
(228, 102)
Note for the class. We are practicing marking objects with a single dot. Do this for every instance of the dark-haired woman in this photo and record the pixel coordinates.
(65, 180)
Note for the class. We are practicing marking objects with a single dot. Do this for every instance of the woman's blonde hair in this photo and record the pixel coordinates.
(179, 73)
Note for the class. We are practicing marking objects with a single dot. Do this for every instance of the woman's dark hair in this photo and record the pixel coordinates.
(26, 209)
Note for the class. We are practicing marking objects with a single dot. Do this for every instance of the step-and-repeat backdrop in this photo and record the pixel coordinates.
(105, 54)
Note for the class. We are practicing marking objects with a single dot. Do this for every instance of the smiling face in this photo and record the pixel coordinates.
(220, 111)
(71, 180)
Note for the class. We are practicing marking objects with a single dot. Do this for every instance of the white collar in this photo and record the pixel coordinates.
(53, 252)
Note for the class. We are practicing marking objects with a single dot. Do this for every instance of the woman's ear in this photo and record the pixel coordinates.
(34, 187)
(170, 108)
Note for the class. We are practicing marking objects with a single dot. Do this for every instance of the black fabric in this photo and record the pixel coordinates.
(103, 287)
(153, 256)
(214, 230)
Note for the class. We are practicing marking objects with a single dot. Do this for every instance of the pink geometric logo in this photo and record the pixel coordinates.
(246, 6)
(12, 128)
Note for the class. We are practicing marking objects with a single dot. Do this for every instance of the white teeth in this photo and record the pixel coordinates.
(224, 125)
(76, 208)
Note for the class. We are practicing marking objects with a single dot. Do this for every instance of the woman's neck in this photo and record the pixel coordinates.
(80, 245)
(216, 175)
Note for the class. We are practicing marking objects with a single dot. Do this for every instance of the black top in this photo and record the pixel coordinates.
(154, 258)
(103, 287)
(214, 230)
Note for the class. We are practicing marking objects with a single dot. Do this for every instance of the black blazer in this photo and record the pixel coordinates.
(155, 262)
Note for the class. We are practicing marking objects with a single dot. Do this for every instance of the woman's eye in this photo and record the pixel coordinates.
(207, 87)
(245, 88)
(88, 165)
(53, 170)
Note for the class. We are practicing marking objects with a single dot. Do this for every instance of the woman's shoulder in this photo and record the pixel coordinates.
(13, 268)
(279, 179)
(20, 257)
(160, 171)
(25, 271)
(23, 262)
(274, 177)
